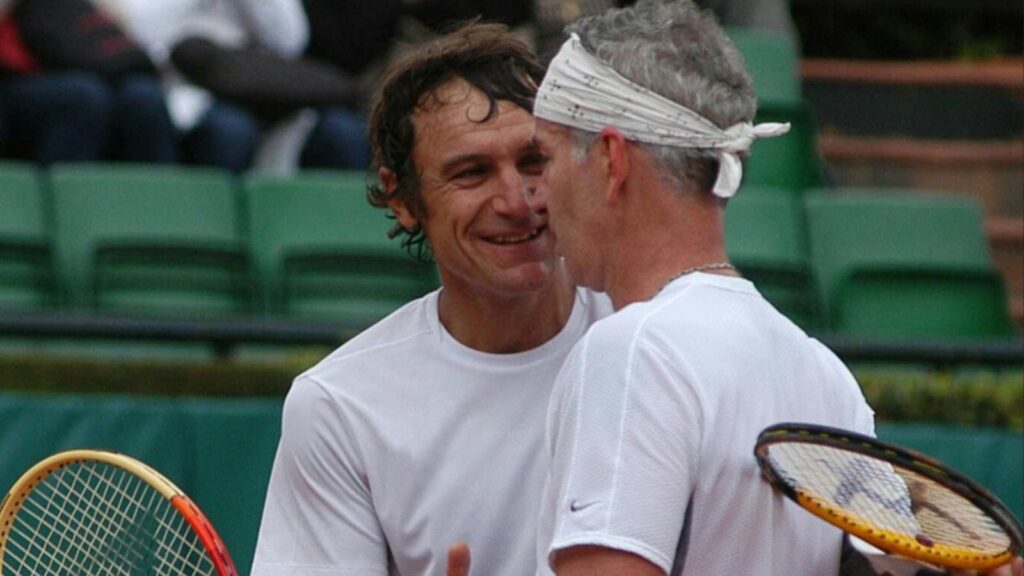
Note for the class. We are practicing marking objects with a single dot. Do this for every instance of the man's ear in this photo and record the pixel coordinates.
(389, 180)
(616, 161)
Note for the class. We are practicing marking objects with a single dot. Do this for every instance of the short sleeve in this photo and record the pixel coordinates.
(318, 518)
(625, 437)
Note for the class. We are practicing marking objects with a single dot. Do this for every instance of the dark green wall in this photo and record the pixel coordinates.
(219, 451)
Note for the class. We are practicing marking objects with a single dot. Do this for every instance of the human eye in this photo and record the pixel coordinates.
(471, 172)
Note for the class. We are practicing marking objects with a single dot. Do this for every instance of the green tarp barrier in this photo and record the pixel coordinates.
(219, 451)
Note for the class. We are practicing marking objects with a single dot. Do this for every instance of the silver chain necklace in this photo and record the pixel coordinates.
(701, 268)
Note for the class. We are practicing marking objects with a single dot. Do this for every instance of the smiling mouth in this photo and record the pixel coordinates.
(518, 238)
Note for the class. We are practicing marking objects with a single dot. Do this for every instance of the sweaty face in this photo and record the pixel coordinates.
(570, 192)
(474, 178)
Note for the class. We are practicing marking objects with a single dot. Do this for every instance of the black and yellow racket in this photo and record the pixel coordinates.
(92, 513)
(900, 501)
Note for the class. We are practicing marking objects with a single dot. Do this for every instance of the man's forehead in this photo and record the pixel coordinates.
(546, 132)
(458, 96)
(458, 107)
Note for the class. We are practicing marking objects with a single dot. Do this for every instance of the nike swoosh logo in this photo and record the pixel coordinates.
(576, 505)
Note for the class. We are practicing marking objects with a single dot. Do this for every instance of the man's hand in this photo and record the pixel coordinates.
(458, 560)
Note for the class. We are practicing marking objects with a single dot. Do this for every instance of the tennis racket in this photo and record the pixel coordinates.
(92, 513)
(900, 501)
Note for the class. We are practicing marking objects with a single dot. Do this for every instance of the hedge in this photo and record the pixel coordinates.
(978, 396)
(150, 377)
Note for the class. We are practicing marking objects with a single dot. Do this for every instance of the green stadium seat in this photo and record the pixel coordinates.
(26, 261)
(772, 60)
(150, 240)
(322, 252)
(793, 160)
(765, 233)
(900, 265)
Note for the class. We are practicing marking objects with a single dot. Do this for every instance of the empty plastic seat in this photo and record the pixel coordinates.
(26, 260)
(793, 160)
(765, 233)
(150, 240)
(772, 60)
(322, 252)
(900, 265)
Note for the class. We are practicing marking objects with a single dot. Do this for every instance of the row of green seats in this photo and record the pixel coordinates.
(876, 264)
(871, 263)
(196, 242)
(192, 242)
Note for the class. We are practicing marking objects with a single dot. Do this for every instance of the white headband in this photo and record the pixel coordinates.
(582, 92)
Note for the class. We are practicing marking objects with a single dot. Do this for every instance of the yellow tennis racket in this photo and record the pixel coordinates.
(900, 501)
(92, 513)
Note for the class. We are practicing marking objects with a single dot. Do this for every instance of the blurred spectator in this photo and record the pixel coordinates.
(361, 37)
(355, 35)
(213, 55)
(73, 87)
(352, 34)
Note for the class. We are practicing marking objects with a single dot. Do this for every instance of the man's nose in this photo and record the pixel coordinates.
(513, 198)
(536, 194)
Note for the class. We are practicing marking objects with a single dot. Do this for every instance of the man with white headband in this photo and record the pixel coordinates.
(646, 116)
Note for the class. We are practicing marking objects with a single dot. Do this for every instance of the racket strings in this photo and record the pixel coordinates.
(112, 540)
(83, 546)
(848, 482)
(164, 516)
(889, 496)
(97, 519)
(950, 517)
(49, 551)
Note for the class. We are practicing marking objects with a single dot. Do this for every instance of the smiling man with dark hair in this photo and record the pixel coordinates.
(428, 427)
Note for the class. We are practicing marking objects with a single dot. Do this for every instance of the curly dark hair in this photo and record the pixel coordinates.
(489, 58)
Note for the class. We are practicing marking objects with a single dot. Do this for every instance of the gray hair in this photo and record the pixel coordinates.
(680, 52)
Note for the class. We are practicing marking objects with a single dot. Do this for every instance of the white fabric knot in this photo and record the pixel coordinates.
(582, 92)
(741, 136)
(738, 139)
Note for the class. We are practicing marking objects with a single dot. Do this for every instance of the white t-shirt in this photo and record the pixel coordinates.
(404, 441)
(654, 419)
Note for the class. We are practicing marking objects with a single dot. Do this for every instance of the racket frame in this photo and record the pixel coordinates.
(890, 540)
(35, 475)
